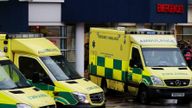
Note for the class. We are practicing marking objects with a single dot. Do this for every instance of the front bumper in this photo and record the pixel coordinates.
(80, 105)
(170, 93)
(95, 100)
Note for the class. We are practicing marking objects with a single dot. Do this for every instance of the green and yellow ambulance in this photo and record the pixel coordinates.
(43, 63)
(17, 92)
(146, 64)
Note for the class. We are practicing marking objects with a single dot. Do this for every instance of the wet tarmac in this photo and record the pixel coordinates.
(118, 100)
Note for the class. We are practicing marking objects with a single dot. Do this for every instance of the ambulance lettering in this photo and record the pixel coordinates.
(37, 96)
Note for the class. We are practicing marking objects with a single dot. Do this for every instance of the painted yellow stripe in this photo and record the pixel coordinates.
(117, 74)
(124, 65)
(146, 73)
(100, 71)
(93, 59)
(136, 77)
(109, 63)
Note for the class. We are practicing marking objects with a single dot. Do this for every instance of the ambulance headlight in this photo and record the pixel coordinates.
(156, 80)
(81, 97)
(22, 105)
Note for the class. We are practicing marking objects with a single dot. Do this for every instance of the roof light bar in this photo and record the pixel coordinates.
(24, 35)
(150, 32)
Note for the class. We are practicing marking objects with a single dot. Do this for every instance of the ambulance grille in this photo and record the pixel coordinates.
(50, 106)
(177, 82)
(97, 97)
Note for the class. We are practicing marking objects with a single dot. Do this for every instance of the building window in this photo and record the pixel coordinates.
(62, 36)
(53, 33)
(69, 43)
(156, 26)
(184, 33)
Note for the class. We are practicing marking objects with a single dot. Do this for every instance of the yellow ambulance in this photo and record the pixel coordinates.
(17, 92)
(42, 62)
(144, 63)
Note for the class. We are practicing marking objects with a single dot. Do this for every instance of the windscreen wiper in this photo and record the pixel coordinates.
(162, 66)
(19, 85)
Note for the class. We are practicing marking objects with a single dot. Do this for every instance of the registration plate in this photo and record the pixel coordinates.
(178, 94)
(171, 101)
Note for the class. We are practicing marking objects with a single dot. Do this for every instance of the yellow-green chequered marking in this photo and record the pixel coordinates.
(137, 76)
(117, 70)
(109, 68)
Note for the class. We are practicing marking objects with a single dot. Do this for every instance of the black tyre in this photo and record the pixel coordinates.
(59, 105)
(103, 106)
(143, 95)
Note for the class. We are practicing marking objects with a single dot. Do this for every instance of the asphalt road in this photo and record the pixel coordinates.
(117, 100)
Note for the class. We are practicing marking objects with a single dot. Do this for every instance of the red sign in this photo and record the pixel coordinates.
(170, 8)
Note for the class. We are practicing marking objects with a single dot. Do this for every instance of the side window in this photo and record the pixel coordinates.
(33, 70)
(136, 59)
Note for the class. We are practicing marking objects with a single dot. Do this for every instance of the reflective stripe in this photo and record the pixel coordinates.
(124, 66)
(117, 64)
(101, 71)
(7, 106)
(117, 74)
(138, 75)
(43, 86)
(117, 70)
(109, 68)
(109, 63)
(100, 61)
(66, 97)
(109, 73)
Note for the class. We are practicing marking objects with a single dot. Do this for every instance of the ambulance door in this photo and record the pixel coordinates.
(35, 73)
(135, 70)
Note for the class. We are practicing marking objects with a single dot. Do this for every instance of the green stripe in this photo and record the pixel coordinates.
(137, 70)
(44, 86)
(62, 100)
(147, 80)
(130, 76)
(52, 88)
(69, 97)
(117, 64)
(101, 61)
(108, 73)
(7, 106)
(124, 76)
(93, 69)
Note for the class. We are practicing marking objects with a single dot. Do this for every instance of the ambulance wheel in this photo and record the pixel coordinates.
(104, 86)
(143, 95)
(125, 88)
(59, 105)
(103, 106)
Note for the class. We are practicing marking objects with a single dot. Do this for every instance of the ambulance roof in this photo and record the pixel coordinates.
(143, 37)
(35, 46)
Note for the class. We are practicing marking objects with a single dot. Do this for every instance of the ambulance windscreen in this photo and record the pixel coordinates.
(60, 68)
(163, 57)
